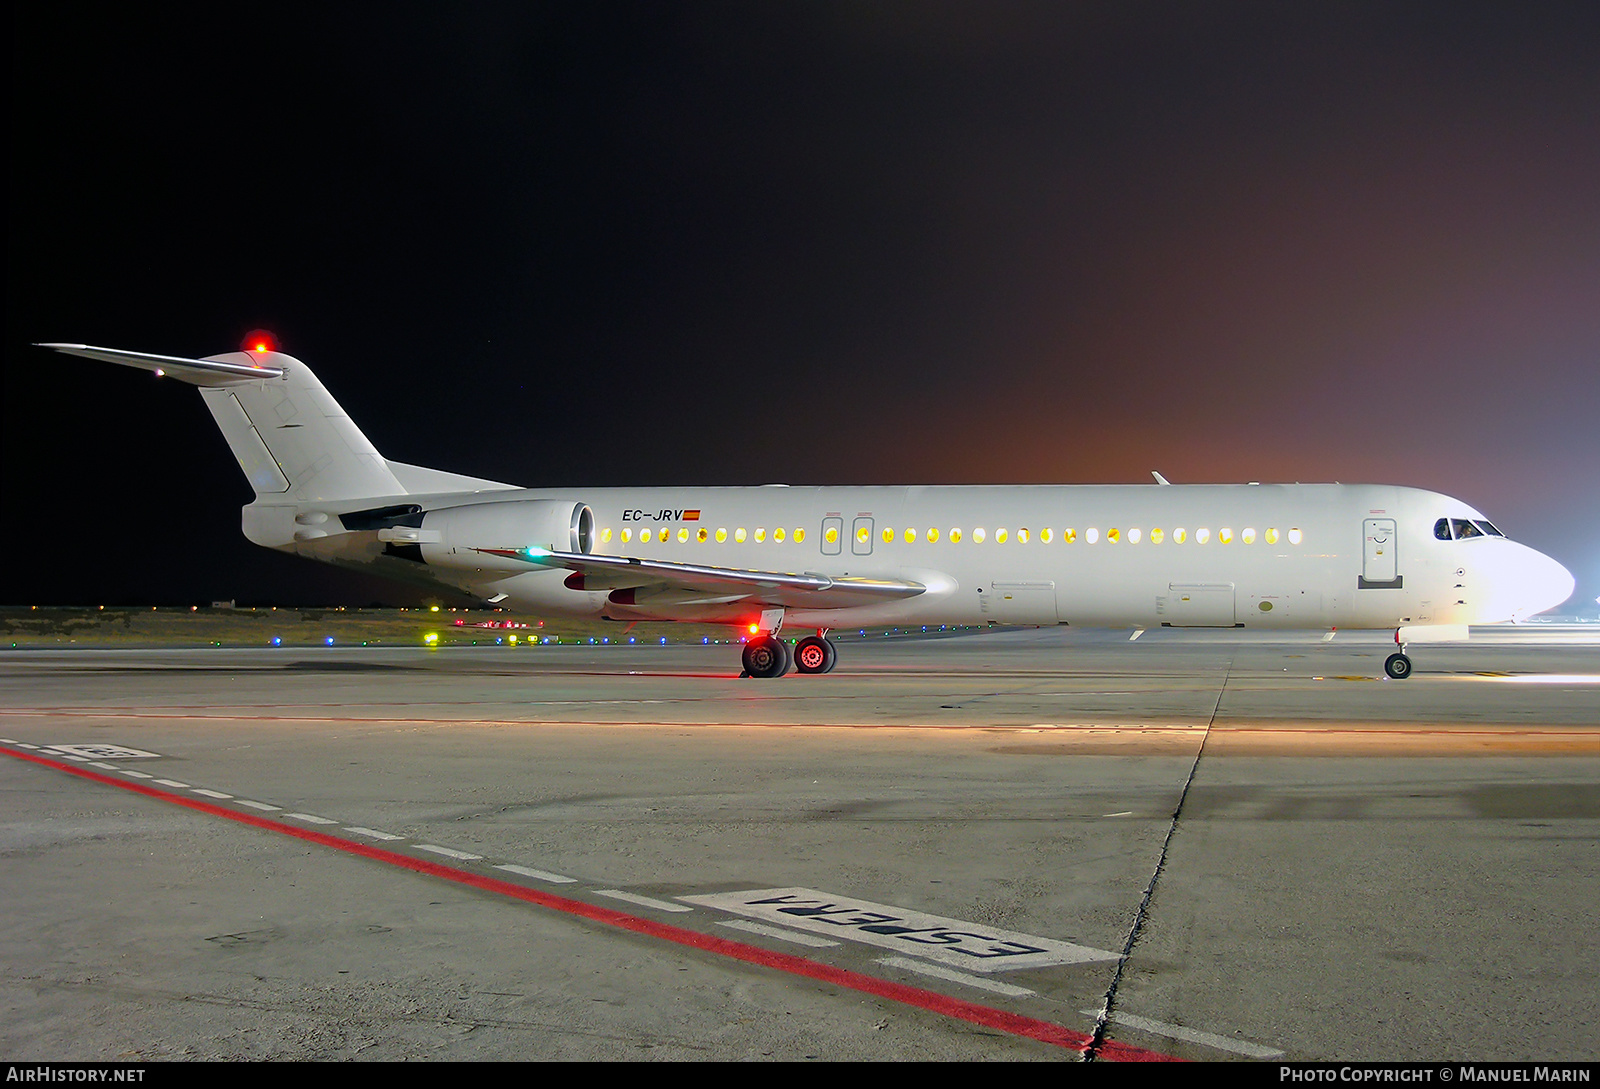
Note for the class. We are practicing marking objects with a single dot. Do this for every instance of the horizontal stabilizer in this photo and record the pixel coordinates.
(200, 372)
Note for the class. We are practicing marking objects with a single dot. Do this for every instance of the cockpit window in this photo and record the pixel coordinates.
(1459, 529)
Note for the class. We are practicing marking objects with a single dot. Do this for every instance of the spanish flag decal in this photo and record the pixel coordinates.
(691, 516)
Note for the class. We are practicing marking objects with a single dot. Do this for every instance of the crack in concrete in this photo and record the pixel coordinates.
(1108, 1007)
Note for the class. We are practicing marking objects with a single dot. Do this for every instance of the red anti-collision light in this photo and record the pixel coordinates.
(260, 340)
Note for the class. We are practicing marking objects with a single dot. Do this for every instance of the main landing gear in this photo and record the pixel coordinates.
(814, 654)
(768, 656)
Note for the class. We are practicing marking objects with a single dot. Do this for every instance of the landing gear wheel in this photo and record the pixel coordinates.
(1397, 666)
(765, 656)
(814, 654)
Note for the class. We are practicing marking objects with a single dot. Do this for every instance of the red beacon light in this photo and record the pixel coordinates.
(259, 341)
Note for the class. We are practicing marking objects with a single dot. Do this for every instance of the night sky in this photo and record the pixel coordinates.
(608, 244)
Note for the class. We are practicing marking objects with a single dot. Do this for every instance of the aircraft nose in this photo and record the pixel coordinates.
(1539, 583)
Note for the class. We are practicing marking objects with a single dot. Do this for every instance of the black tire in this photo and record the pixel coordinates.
(765, 656)
(814, 654)
(1397, 666)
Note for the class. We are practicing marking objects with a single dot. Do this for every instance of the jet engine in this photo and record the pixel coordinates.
(496, 537)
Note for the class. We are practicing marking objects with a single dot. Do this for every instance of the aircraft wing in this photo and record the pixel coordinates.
(770, 588)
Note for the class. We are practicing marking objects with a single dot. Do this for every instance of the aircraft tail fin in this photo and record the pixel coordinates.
(290, 436)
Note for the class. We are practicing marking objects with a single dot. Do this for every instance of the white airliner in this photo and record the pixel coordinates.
(1269, 556)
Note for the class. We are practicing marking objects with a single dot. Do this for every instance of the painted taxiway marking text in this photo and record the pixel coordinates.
(100, 751)
(952, 942)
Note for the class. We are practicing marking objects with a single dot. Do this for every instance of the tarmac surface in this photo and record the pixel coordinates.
(1020, 844)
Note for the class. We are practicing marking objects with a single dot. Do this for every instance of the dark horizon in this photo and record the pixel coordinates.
(826, 243)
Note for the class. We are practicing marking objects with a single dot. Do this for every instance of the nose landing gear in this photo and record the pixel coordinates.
(1398, 665)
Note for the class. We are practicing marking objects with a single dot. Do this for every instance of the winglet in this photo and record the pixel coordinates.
(1159, 478)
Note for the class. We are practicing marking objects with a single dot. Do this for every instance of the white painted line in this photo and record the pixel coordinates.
(310, 818)
(1194, 1036)
(1124, 813)
(212, 793)
(992, 985)
(24, 745)
(538, 875)
(372, 833)
(642, 901)
(102, 764)
(172, 783)
(137, 774)
(74, 759)
(263, 806)
(8, 740)
(449, 852)
(1326, 639)
(778, 932)
(1136, 635)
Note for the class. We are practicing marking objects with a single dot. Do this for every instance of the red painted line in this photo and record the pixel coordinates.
(1018, 1025)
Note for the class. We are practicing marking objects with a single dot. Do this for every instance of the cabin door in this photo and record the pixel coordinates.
(1379, 553)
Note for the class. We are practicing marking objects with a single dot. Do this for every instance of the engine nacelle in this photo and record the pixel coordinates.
(494, 536)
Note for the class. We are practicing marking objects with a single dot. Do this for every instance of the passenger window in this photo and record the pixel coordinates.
(1441, 529)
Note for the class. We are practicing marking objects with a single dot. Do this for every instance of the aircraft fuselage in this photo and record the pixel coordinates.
(1262, 556)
